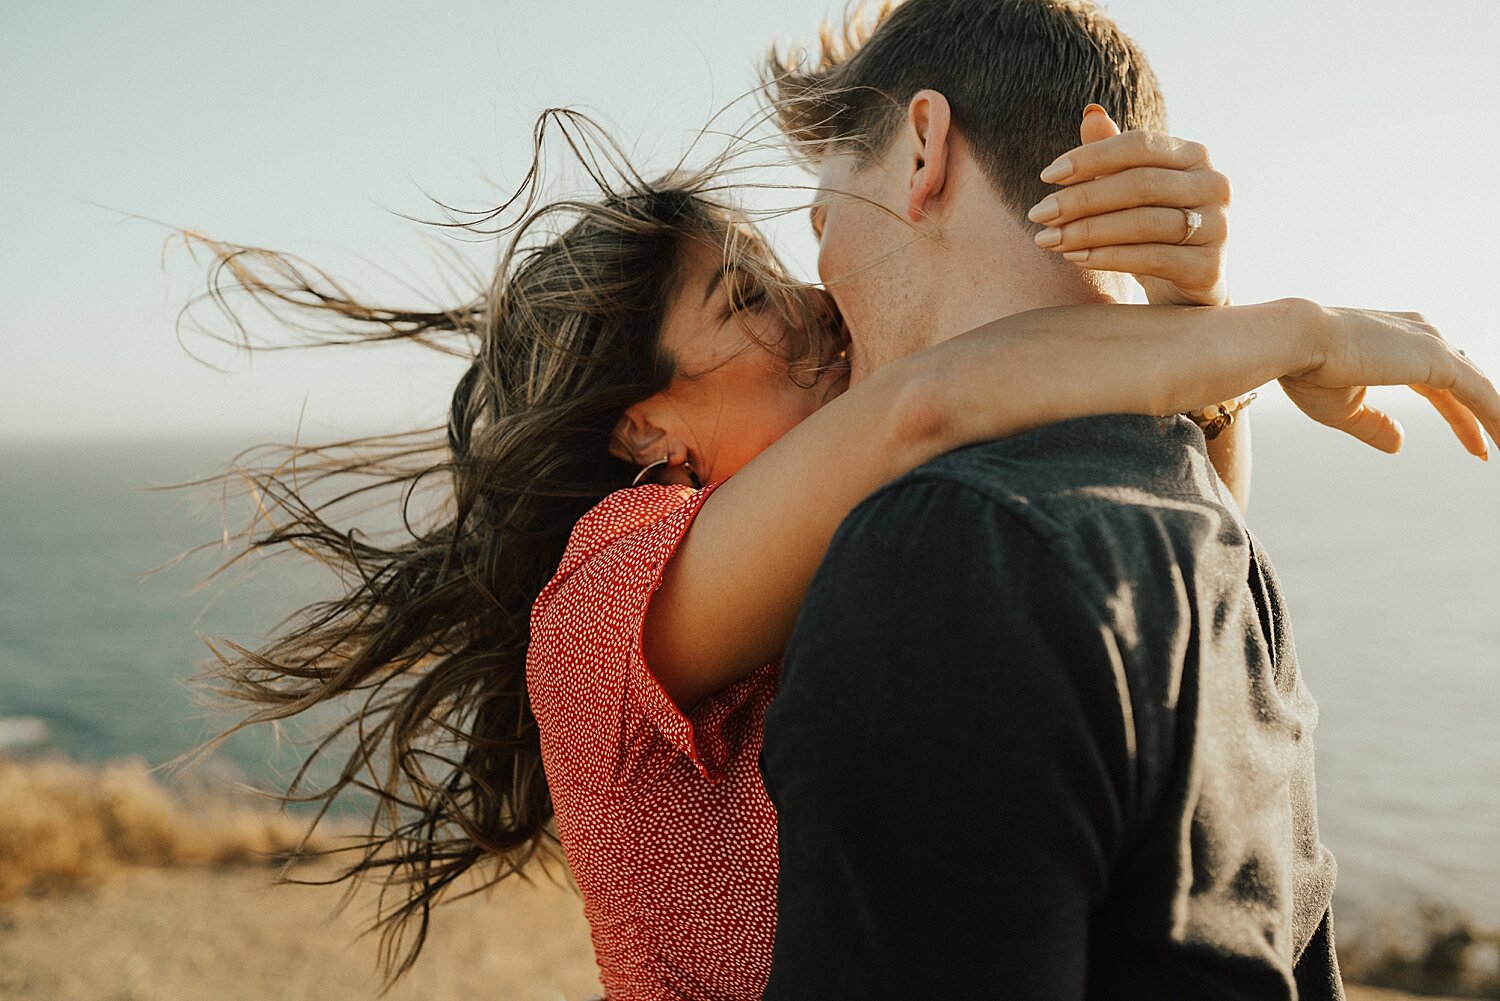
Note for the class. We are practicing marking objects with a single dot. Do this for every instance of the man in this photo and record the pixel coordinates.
(1041, 732)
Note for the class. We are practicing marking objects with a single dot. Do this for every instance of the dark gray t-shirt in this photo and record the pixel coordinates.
(1041, 734)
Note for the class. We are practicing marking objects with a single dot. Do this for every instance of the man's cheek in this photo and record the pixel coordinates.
(825, 262)
(834, 259)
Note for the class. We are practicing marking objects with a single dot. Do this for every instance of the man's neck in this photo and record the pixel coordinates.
(977, 296)
(989, 267)
(966, 296)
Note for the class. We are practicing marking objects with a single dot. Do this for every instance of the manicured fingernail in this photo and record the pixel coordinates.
(1059, 170)
(1076, 255)
(1046, 210)
(1095, 107)
(1049, 237)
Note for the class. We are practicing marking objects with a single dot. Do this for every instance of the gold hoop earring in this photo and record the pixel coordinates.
(645, 470)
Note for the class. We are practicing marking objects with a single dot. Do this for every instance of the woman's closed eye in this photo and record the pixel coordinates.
(747, 295)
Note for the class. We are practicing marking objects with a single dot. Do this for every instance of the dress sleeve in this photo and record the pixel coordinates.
(600, 709)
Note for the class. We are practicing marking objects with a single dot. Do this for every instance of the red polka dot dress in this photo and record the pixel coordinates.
(662, 816)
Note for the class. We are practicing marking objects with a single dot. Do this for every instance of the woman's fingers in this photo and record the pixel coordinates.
(1119, 152)
(1096, 125)
(1379, 348)
(1474, 390)
(1462, 420)
(1152, 224)
(1455, 386)
(1375, 428)
(1188, 267)
(1188, 189)
(1139, 189)
(1454, 373)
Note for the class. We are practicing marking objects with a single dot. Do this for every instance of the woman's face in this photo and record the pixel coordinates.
(732, 393)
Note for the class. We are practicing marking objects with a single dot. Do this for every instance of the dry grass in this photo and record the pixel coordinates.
(115, 888)
(66, 824)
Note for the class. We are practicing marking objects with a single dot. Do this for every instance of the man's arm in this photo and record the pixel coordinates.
(948, 757)
(1230, 455)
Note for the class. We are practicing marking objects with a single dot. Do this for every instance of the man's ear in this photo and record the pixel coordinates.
(928, 120)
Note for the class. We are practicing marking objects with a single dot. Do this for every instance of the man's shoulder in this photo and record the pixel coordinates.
(1108, 498)
(1061, 471)
(1164, 454)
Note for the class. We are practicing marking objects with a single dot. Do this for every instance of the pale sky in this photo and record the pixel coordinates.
(1357, 136)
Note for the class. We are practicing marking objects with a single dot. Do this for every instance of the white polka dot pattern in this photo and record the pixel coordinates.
(662, 815)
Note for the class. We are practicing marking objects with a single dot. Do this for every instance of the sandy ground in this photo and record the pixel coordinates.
(201, 935)
(147, 934)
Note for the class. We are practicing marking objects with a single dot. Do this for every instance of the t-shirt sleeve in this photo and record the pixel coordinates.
(597, 703)
(948, 759)
(1316, 971)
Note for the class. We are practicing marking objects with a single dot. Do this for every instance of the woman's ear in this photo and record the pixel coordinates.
(619, 450)
(632, 437)
(928, 120)
(638, 440)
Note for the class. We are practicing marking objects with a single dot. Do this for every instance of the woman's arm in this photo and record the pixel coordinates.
(729, 597)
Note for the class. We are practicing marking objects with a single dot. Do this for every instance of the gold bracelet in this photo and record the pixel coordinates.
(1215, 418)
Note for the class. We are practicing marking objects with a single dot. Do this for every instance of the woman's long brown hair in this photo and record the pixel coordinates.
(428, 638)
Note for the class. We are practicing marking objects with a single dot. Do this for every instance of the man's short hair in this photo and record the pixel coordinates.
(1017, 74)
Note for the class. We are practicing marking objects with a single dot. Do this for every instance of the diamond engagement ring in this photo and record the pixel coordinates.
(1194, 221)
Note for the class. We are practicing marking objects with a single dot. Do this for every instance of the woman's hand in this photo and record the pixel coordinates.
(1124, 207)
(1356, 348)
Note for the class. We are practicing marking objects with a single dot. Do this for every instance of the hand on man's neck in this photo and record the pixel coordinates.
(918, 245)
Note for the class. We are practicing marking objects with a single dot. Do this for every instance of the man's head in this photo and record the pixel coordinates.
(937, 120)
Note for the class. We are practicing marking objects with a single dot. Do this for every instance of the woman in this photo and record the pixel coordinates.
(556, 638)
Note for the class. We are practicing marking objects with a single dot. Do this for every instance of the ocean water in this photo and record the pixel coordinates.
(1391, 570)
(100, 631)
(1391, 567)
